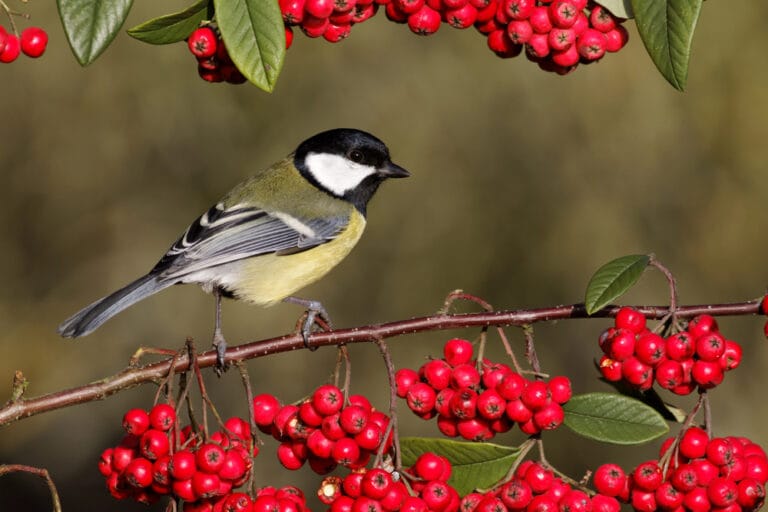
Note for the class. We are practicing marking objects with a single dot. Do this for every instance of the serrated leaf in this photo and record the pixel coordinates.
(91, 25)
(619, 8)
(171, 28)
(666, 28)
(474, 465)
(254, 34)
(613, 418)
(613, 279)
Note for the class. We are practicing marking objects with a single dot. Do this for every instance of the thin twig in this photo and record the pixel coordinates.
(530, 350)
(42, 473)
(392, 426)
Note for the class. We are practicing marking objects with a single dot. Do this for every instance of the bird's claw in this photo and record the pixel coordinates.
(315, 310)
(220, 344)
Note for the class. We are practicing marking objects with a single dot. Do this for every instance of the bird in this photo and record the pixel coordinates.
(278, 231)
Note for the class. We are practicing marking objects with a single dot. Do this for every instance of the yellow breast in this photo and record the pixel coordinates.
(270, 278)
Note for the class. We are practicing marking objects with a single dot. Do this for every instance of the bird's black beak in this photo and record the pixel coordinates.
(392, 170)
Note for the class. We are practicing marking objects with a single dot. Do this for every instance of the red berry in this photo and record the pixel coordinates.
(203, 42)
(680, 346)
(162, 417)
(702, 324)
(693, 444)
(516, 494)
(684, 478)
(500, 43)
(643, 501)
(465, 376)
(511, 386)
(647, 476)
(751, 494)
(539, 478)
(436, 373)
(731, 357)
(210, 458)
(376, 483)
(183, 465)
(205, 485)
(560, 389)
(518, 9)
(705, 470)
(549, 417)
(154, 444)
(519, 31)
(602, 503)
(631, 319)
(12, 49)
(707, 374)
(327, 399)
(139, 473)
(463, 404)
(535, 395)
(610, 369)
(616, 39)
(561, 39)
(539, 20)
(234, 466)
(669, 374)
(33, 41)
(319, 8)
(601, 19)
(580, 25)
(463, 17)
(421, 398)
(650, 348)
(563, 13)
(491, 405)
(609, 479)
(136, 421)
(424, 22)
(457, 351)
(430, 466)
(636, 373)
(345, 451)
(591, 44)
(404, 379)
(710, 346)
(622, 344)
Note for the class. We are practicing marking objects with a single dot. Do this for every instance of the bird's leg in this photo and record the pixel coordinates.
(218, 338)
(314, 308)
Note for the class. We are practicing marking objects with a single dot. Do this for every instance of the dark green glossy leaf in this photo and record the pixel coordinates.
(613, 418)
(613, 279)
(475, 465)
(254, 34)
(91, 25)
(666, 28)
(171, 28)
(619, 8)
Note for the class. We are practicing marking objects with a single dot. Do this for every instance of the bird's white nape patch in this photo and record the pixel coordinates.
(337, 173)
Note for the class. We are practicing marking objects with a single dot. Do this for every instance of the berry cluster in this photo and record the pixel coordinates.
(724, 474)
(696, 357)
(32, 43)
(536, 488)
(477, 405)
(156, 459)
(558, 34)
(322, 430)
(267, 499)
(331, 19)
(213, 61)
(374, 490)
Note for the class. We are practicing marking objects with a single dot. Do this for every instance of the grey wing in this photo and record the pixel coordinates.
(224, 235)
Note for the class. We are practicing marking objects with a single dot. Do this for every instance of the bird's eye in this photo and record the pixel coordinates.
(356, 156)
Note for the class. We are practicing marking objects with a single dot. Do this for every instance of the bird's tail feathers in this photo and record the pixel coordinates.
(91, 317)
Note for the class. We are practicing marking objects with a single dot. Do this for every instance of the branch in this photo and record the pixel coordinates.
(131, 377)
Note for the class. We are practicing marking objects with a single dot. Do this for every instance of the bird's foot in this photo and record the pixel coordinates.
(315, 312)
(220, 344)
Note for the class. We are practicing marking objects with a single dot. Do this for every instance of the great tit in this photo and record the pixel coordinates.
(280, 230)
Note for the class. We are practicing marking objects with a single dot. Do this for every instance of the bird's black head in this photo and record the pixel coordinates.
(346, 163)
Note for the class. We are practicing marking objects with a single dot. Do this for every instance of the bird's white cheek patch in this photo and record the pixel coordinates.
(336, 173)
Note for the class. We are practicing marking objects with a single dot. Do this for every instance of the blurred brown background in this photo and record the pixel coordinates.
(523, 184)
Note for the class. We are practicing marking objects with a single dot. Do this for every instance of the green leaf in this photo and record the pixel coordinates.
(475, 465)
(91, 25)
(619, 8)
(254, 34)
(613, 418)
(666, 28)
(613, 279)
(171, 28)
